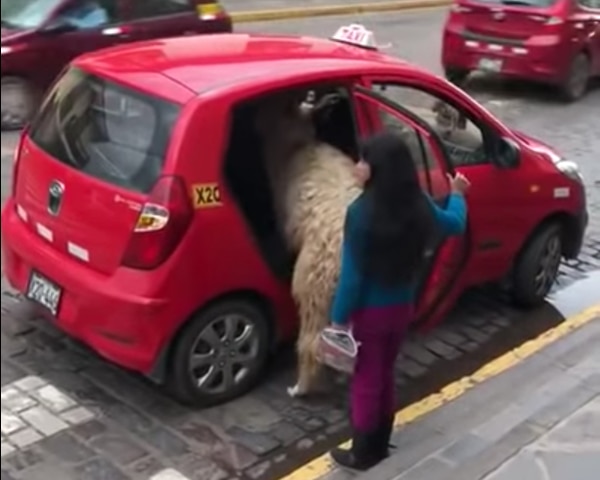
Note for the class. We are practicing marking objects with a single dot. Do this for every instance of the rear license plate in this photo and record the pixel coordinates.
(490, 65)
(44, 292)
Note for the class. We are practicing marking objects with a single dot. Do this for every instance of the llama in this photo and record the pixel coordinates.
(313, 184)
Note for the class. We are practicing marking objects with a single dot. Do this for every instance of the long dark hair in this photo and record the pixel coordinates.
(399, 220)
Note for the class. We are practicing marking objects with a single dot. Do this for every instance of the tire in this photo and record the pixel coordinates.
(20, 100)
(456, 76)
(211, 335)
(576, 85)
(537, 267)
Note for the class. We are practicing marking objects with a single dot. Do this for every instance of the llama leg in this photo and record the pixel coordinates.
(312, 284)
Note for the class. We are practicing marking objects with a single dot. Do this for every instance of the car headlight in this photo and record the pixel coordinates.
(5, 50)
(570, 169)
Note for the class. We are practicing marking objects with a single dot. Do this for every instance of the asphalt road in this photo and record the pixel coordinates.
(93, 421)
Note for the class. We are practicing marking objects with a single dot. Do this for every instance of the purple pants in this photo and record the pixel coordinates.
(380, 332)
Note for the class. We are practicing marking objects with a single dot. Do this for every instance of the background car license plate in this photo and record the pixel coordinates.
(490, 65)
(43, 291)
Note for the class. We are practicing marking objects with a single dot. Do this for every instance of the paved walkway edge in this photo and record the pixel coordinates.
(331, 10)
(321, 466)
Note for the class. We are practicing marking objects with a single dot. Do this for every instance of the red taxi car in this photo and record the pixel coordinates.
(550, 41)
(141, 221)
(40, 37)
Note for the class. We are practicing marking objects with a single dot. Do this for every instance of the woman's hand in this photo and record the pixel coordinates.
(459, 183)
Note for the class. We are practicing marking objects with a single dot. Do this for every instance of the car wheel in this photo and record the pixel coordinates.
(457, 76)
(578, 80)
(18, 104)
(537, 267)
(220, 354)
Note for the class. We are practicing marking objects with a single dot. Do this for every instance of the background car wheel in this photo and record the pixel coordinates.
(537, 267)
(579, 78)
(457, 76)
(220, 354)
(18, 104)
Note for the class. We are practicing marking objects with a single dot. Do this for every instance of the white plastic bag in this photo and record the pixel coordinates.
(338, 349)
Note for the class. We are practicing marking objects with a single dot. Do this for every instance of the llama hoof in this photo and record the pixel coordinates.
(295, 391)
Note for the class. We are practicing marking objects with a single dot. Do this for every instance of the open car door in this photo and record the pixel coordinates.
(438, 286)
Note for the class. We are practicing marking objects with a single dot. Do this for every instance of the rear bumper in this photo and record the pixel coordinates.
(105, 312)
(544, 63)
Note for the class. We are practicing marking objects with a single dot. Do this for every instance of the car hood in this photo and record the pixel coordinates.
(539, 147)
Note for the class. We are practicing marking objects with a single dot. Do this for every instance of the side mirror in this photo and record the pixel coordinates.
(58, 26)
(508, 153)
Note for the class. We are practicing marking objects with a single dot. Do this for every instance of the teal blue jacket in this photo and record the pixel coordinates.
(354, 290)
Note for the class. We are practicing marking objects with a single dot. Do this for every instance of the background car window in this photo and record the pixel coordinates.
(106, 131)
(85, 14)
(27, 13)
(156, 8)
(462, 139)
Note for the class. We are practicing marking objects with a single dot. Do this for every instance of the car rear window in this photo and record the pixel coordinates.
(104, 130)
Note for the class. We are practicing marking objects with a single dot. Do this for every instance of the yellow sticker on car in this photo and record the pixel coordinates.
(206, 195)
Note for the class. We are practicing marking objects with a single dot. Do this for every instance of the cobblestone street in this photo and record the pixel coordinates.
(68, 415)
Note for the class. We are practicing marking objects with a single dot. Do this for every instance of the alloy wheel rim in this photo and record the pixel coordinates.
(15, 104)
(224, 354)
(548, 267)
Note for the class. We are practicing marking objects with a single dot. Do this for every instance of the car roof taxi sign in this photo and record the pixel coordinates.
(356, 34)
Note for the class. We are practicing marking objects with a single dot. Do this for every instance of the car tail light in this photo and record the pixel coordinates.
(161, 224)
(209, 9)
(457, 8)
(17, 161)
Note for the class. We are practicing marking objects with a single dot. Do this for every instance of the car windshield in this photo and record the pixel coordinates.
(27, 13)
(104, 130)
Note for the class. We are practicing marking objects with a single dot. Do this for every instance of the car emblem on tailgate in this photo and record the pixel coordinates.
(55, 195)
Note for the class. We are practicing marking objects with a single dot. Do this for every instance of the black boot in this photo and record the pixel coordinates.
(362, 455)
(384, 435)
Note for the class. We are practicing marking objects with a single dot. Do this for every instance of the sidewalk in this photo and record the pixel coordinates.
(248, 5)
(538, 421)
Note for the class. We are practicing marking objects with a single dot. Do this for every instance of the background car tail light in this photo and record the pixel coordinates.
(209, 9)
(161, 224)
(457, 8)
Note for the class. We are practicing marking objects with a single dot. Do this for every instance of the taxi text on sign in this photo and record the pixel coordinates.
(206, 195)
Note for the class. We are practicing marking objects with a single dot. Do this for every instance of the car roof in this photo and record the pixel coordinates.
(205, 62)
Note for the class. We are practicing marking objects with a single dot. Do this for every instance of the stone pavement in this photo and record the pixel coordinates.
(539, 421)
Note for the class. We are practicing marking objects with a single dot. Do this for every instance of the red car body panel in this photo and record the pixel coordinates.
(533, 43)
(130, 315)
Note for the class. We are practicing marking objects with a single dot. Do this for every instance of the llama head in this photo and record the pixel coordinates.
(286, 120)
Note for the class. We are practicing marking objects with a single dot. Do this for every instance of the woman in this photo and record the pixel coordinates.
(386, 232)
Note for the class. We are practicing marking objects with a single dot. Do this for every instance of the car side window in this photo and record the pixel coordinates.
(595, 4)
(462, 139)
(89, 14)
(141, 9)
(432, 174)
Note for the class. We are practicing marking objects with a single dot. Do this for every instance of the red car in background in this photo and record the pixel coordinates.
(550, 41)
(40, 37)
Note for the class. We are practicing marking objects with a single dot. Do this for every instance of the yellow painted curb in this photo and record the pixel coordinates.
(330, 10)
(321, 466)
